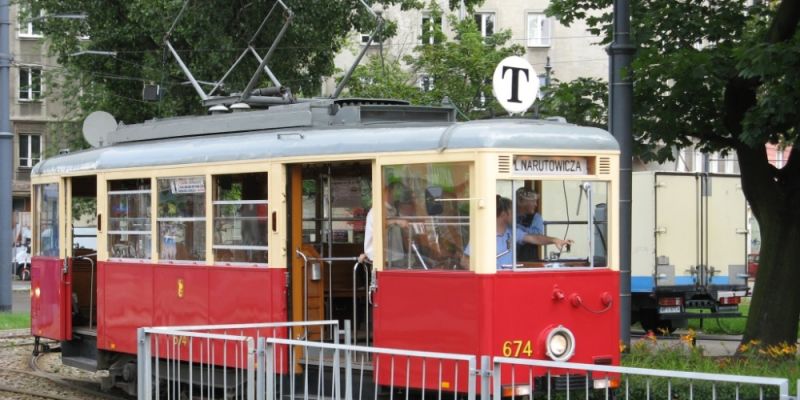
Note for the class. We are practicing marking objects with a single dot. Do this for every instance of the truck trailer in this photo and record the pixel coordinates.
(689, 248)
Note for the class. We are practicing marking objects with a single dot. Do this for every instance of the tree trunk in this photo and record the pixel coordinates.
(774, 197)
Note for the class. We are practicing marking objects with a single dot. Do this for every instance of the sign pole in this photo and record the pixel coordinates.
(7, 157)
(620, 123)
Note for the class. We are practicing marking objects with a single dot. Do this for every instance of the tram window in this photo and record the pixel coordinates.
(46, 236)
(84, 215)
(426, 215)
(240, 218)
(129, 218)
(558, 223)
(181, 218)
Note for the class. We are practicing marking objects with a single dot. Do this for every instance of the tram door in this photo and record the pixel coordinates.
(82, 252)
(329, 203)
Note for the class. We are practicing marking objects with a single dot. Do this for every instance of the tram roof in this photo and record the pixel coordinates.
(315, 140)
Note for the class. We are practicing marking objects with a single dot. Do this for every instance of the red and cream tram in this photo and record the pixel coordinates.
(207, 220)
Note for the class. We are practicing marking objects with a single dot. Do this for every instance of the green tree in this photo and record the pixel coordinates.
(208, 37)
(460, 69)
(723, 74)
(583, 101)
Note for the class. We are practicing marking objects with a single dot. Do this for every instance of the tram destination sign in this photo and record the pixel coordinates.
(528, 165)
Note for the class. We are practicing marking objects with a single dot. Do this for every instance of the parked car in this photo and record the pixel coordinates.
(752, 265)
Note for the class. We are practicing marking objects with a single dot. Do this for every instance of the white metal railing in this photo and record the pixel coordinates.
(395, 371)
(206, 361)
(258, 361)
(630, 383)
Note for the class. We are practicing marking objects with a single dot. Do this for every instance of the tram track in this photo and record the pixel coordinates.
(81, 385)
(23, 375)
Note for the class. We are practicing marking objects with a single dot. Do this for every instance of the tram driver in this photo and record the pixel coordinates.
(503, 238)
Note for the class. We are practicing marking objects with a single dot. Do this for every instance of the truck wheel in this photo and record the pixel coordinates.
(651, 322)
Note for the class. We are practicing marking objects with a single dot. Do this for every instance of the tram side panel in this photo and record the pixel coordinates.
(504, 314)
(133, 295)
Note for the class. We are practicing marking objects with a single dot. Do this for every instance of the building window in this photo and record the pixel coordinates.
(429, 34)
(182, 218)
(485, 22)
(30, 83)
(129, 234)
(28, 28)
(30, 149)
(539, 32)
(240, 218)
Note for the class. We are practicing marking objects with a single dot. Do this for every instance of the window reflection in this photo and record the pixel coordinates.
(426, 215)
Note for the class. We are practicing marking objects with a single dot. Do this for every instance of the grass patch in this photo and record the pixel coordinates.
(649, 352)
(723, 326)
(726, 326)
(15, 320)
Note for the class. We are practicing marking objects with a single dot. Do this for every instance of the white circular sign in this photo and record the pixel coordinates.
(515, 84)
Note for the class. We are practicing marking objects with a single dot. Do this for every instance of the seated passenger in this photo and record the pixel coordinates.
(503, 239)
(530, 227)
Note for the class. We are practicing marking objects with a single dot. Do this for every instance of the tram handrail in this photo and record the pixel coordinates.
(91, 282)
(366, 301)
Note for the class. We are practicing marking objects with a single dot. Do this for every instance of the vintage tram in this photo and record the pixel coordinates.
(213, 220)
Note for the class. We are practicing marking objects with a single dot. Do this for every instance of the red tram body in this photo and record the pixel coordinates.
(429, 302)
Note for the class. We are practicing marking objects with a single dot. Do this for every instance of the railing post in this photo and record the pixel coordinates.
(496, 380)
(472, 380)
(348, 362)
(336, 375)
(145, 384)
(251, 373)
(486, 377)
(269, 360)
(260, 374)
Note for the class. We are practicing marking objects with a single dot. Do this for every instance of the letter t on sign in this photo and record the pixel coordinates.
(515, 81)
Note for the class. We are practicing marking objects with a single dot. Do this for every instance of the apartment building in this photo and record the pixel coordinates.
(572, 50)
(31, 108)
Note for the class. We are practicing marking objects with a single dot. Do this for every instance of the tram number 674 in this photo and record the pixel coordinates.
(513, 348)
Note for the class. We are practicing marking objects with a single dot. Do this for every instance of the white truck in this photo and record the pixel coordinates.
(689, 248)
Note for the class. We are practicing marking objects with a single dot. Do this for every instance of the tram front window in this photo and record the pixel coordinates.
(46, 236)
(557, 223)
(426, 215)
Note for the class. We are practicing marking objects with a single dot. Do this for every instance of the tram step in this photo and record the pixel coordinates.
(84, 363)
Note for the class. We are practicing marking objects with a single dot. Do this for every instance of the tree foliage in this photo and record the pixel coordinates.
(209, 37)
(722, 75)
(583, 101)
(460, 69)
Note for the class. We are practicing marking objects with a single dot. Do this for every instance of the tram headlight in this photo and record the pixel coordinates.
(560, 344)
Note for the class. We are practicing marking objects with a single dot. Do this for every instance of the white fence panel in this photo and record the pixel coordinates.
(575, 381)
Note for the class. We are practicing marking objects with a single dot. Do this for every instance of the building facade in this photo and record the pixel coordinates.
(572, 50)
(32, 107)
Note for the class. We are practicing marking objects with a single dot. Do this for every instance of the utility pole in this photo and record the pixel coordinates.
(620, 123)
(6, 161)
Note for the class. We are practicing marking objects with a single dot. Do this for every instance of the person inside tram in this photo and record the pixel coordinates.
(395, 199)
(530, 227)
(503, 238)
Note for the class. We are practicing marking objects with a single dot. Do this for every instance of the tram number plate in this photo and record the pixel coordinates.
(669, 310)
(515, 348)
